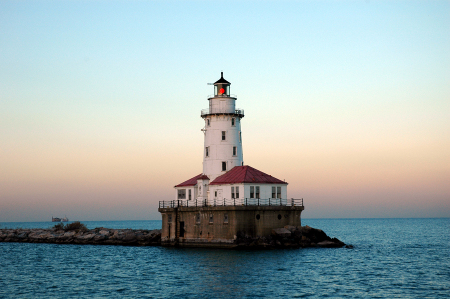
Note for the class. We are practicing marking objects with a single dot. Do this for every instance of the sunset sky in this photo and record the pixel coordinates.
(348, 101)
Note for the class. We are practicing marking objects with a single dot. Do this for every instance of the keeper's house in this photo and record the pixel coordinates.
(228, 198)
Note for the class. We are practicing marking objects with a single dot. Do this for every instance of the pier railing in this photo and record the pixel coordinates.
(231, 202)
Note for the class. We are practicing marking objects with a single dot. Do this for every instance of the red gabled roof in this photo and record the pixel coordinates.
(193, 181)
(245, 174)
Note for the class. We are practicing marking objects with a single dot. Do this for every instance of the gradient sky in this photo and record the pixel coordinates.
(348, 101)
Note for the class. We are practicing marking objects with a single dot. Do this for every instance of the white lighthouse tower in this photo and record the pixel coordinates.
(223, 136)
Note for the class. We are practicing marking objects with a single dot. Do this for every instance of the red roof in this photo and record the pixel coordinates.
(193, 181)
(245, 174)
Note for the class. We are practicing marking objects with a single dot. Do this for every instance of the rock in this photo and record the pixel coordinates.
(291, 228)
(281, 232)
(86, 237)
(104, 232)
(327, 244)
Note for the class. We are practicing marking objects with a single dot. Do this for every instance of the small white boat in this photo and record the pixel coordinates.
(65, 219)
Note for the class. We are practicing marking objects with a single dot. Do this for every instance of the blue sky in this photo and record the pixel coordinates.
(349, 101)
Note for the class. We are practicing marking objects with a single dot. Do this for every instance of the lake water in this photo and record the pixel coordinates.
(391, 258)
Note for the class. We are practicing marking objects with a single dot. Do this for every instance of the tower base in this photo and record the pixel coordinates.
(221, 226)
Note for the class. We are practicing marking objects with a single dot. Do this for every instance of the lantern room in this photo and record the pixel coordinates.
(222, 87)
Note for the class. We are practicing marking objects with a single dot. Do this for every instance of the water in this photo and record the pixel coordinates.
(391, 258)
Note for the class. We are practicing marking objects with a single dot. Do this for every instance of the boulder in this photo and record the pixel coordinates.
(281, 232)
(291, 228)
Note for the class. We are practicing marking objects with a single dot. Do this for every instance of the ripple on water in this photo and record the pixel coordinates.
(390, 259)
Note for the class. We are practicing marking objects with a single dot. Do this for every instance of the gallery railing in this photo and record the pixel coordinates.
(231, 202)
(208, 111)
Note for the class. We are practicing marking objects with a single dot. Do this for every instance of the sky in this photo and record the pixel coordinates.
(348, 101)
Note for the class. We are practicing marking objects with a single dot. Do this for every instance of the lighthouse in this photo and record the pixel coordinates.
(223, 136)
(228, 198)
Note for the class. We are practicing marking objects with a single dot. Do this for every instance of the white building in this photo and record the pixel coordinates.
(225, 179)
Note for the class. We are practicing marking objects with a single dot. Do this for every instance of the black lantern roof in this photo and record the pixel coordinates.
(221, 80)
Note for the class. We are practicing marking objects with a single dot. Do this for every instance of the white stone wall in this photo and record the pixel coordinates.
(224, 191)
(265, 190)
(221, 150)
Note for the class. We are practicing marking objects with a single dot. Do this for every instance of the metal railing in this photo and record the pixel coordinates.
(231, 202)
(208, 111)
(221, 96)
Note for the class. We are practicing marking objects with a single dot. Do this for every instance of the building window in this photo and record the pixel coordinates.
(232, 192)
(190, 196)
(197, 218)
(207, 151)
(224, 135)
(224, 166)
(254, 192)
(237, 192)
(278, 192)
(274, 195)
(181, 193)
(240, 137)
(208, 122)
(225, 218)
(211, 219)
(234, 151)
(169, 218)
(215, 193)
(233, 121)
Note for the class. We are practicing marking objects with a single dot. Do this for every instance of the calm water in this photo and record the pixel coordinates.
(392, 258)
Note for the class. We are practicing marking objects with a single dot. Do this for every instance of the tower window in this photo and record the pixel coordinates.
(224, 166)
(233, 121)
(207, 151)
(208, 123)
(240, 137)
(234, 151)
(224, 135)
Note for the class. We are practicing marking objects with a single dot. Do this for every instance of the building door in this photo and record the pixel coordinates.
(181, 229)
(218, 196)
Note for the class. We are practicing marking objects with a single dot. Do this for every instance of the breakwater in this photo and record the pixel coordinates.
(97, 236)
(287, 237)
